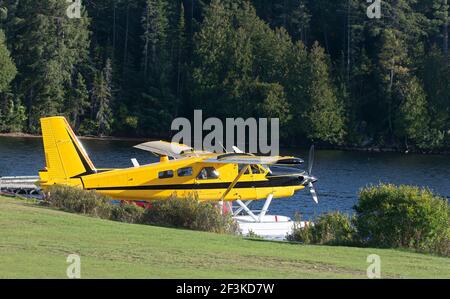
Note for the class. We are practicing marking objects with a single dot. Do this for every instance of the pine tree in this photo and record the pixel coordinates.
(77, 102)
(46, 50)
(102, 100)
(323, 118)
(12, 114)
(441, 20)
(158, 100)
(393, 59)
(8, 69)
(154, 23)
(414, 119)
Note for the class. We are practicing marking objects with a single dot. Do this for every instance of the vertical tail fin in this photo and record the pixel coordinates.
(64, 155)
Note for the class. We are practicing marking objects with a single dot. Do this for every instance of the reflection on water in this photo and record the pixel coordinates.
(341, 174)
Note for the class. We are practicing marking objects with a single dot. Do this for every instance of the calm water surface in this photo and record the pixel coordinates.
(341, 174)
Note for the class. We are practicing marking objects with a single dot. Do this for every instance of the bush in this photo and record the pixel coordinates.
(404, 216)
(328, 229)
(127, 212)
(181, 213)
(77, 200)
(191, 214)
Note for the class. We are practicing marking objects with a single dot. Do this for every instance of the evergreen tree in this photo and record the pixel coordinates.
(77, 102)
(12, 113)
(7, 67)
(322, 116)
(158, 101)
(46, 50)
(102, 100)
(393, 61)
(441, 21)
(414, 120)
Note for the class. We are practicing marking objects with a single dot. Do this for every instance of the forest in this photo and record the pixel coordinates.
(331, 74)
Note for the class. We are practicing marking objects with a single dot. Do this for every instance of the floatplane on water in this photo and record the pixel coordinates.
(182, 172)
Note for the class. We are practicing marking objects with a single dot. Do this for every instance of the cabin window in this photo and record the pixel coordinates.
(187, 171)
(208, 173)
(247, 171)
(165, 174)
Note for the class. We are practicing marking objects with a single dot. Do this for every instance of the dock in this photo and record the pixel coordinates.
(20, 185)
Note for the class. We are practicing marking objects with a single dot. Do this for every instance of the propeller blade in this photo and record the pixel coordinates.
(313, 192)
(311, 159)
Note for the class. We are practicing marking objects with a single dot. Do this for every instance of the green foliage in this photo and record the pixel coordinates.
(329, 75)
(46, 50)
(186, 213)
(77, 102)
(323, 116)
(7, 67)
(413, 121)
(127, 212)
(404, 216)
(12, 115)
(77, 200)
(191, 214)
(328, 229)
(102, 98)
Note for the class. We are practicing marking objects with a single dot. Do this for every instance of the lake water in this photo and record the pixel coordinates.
(341, 174)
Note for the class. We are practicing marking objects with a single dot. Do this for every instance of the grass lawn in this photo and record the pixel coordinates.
(35, 242)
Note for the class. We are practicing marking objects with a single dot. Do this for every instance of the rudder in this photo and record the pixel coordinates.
(64, 154)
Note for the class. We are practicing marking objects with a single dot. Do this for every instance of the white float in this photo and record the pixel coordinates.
(271, 227)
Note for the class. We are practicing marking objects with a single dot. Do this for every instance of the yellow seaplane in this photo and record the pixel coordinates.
(181, 172)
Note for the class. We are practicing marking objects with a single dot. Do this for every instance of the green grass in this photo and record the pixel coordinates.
(35, 242)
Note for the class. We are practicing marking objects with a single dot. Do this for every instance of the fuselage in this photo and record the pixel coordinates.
(205, 175)
(186, 177)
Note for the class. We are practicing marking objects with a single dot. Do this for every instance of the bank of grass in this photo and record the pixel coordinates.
(35, 242)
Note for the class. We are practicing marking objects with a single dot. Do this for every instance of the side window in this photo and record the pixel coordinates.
(165, 174)
(247, 171)
(187, 171)
(208, 173)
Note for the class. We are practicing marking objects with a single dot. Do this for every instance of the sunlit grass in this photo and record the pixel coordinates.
(35, 242)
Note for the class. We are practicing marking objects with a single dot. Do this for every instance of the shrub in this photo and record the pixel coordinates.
(127, 212)
(191, 214)
(404, 216)
(329, 229)
(77, 200)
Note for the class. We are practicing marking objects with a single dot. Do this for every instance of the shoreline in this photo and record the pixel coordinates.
(369, 149)
(87, 137)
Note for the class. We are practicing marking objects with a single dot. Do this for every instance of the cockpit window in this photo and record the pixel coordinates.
(208, 173)
(187, 171)
(165, 174)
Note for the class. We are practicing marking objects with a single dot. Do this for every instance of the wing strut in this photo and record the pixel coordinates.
(243, 170)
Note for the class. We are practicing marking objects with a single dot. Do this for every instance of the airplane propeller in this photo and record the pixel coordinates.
(312, 190)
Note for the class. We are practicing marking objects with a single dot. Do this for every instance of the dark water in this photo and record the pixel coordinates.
(341, 174)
